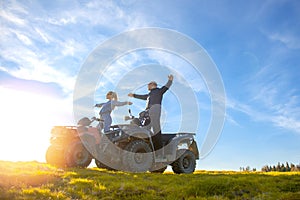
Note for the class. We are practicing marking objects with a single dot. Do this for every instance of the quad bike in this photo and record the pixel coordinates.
(127, 147)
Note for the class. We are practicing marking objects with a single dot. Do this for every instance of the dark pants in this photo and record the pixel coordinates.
(154, 113)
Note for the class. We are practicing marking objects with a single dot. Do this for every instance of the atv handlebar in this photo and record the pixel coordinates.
(96, 119)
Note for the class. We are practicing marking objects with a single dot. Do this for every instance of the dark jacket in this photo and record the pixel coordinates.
(155, 95)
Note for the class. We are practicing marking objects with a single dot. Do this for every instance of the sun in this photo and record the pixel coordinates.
(27, 119)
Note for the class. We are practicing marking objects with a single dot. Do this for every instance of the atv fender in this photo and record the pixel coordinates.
(181, 141)
(135, 131)
(194, 148)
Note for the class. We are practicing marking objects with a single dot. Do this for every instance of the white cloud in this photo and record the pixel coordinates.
(43, 35)
(34, 67)
(31, 27)
(271, 98)
(287, 122)
(23, 38)
(289, 40)
(6, 15)
(71, 47)
(285, 30)
(63, 21)
(107, 14)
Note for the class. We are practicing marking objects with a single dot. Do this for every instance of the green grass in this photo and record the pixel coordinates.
(33, 180)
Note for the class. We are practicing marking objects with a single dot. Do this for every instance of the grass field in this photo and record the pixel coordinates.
(33, 180)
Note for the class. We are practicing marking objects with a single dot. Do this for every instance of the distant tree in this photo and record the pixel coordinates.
(293, 167)
(298, 168)
(265, 168)
(247, 169)
(282, 168)
(287, 167)
(278, 167)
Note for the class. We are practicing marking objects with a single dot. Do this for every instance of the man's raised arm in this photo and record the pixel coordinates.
(170, 81)
(168, 84)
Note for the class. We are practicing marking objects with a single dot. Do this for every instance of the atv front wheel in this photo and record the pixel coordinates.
(77, 155)
(137, 156)
(186, 163)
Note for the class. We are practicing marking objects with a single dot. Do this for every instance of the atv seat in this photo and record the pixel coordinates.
(166, 138)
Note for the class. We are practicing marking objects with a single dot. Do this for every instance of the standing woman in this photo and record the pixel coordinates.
(107, 108)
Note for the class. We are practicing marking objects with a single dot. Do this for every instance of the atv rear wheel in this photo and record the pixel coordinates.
(137, 156)
(186, 163)
(55, 156)
(77, 155)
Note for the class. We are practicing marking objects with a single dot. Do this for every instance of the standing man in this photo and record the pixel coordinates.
(154, 99)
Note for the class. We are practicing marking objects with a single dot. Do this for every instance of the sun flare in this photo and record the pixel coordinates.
(27, 119)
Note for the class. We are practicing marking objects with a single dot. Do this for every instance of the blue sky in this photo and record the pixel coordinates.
(255, 46)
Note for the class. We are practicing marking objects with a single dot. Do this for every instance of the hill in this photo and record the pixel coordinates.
(33, 180)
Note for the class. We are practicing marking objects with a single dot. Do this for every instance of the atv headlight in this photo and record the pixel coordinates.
(183, 145)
